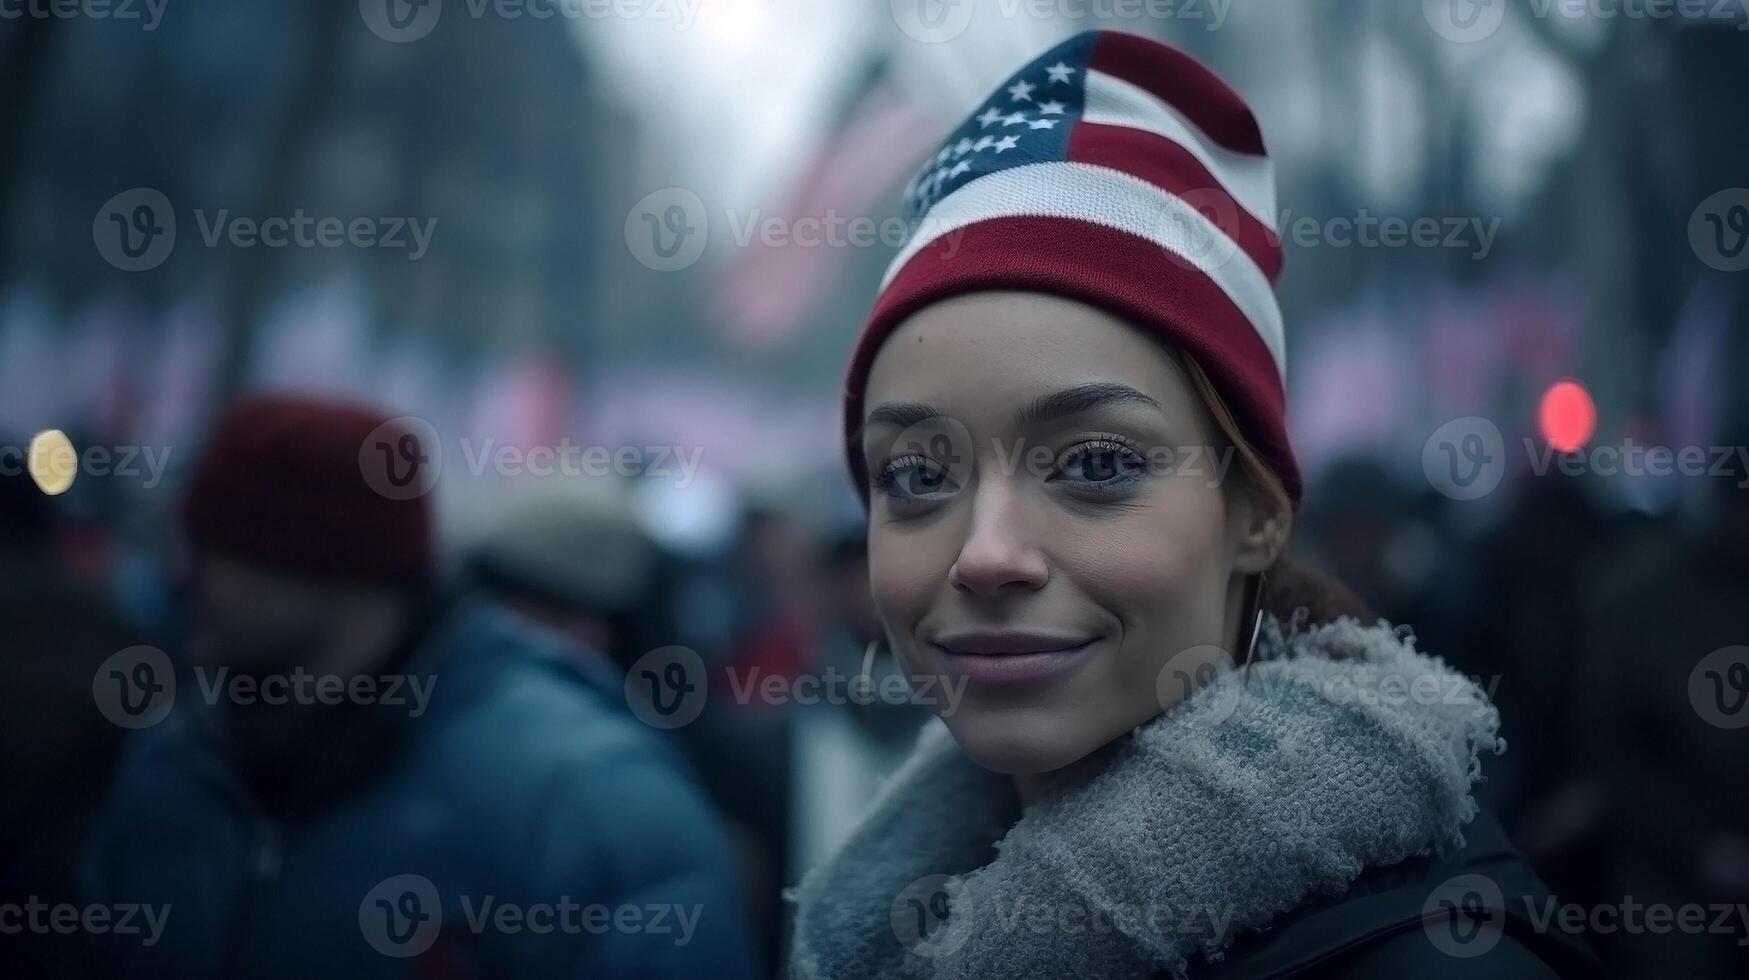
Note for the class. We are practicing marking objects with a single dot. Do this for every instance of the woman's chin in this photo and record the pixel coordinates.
(1017, 745)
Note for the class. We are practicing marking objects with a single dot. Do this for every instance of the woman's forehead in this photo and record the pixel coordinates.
(1006, 349)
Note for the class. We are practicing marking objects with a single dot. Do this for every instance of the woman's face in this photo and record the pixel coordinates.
(1048, 531)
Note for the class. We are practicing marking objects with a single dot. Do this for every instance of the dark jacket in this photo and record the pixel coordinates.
(523, 798)
(1425, 919)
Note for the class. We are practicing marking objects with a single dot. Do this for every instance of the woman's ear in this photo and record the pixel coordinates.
(1264, 525)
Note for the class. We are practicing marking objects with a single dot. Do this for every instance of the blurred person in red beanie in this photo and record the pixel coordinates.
(357, 774)
(296, 562)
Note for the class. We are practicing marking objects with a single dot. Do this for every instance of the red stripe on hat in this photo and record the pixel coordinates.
(1174, 169)
(1183, 83)
(1116, 271)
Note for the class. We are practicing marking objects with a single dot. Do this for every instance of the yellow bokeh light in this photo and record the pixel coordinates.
(53, 463)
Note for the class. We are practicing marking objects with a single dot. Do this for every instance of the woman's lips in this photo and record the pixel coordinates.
(1011, 658)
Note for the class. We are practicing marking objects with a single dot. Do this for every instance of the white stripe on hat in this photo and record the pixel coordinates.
(1104, 196)
(1112, 101)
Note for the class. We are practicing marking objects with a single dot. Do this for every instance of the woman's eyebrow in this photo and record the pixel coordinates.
(901, 414)
(1080, 398)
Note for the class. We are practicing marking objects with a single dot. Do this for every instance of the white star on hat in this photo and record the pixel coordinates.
(1060, 72)
(1043, 124)
(1052, 108)
(960, 168)
(1007, 143)
(990, 115)
(1014, 119)
(1021, 91)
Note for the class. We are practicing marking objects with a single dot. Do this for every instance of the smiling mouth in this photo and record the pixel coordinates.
(1012, 659)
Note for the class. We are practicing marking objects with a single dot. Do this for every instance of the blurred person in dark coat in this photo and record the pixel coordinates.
(359, 778)
(57, 752)
(1662, 709)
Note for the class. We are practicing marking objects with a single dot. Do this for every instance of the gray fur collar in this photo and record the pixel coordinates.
(1339, 748)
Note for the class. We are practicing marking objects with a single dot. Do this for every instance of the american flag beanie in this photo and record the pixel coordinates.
(1120, 172)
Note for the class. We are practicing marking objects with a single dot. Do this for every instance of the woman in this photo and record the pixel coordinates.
(1067, 412)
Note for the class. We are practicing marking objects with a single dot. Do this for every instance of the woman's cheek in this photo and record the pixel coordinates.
(902, 579)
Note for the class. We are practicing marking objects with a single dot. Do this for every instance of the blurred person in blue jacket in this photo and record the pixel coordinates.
(353, 777)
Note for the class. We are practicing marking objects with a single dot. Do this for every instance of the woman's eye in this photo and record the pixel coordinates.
(917, 477)
(1100, 463)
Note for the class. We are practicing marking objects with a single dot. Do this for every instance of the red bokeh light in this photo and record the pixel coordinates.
(1567, 416)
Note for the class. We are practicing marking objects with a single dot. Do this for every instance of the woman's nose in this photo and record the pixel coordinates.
(999, 551)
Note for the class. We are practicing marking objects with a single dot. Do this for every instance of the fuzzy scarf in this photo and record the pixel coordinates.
(1338, 748)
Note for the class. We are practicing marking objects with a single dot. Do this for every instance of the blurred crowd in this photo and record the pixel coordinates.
(519, 753)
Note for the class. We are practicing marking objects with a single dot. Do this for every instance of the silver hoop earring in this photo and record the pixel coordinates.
(866, 673)
(1256, 619)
